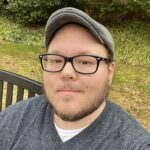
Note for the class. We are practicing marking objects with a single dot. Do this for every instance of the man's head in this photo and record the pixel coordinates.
(74, 87)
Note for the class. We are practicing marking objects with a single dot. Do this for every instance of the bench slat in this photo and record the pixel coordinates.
(1, 93)
(31, 94)
(20, 94)
(9, 94)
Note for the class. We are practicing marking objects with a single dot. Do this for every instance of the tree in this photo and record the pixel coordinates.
(121, 2)
(5, 2)
(67, 3)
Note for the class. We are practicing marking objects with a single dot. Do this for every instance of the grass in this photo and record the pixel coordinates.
(130, 88)
(132, 40)
(21, 59)
(14, 32)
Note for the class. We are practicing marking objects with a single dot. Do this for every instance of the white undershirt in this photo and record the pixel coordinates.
(66, 135)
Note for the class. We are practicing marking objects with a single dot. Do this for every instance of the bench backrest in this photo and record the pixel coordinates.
(23, 85)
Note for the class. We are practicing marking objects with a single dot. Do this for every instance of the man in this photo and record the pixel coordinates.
(74, 113)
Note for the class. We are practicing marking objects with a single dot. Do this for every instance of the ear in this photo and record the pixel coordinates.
(111, 70)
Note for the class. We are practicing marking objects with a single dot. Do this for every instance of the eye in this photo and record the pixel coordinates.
(55, 60)
(85, 62)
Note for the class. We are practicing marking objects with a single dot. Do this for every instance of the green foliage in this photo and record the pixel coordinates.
(116, 10)
(1, 5)
(140, 6)
(1, 2)
(30, 12)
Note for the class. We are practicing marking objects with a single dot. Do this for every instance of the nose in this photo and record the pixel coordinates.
(68, 72)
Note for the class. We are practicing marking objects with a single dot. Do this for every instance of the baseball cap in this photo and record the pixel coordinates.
(73, 15)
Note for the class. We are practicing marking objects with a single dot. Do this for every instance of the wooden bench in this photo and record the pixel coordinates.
(23, 86)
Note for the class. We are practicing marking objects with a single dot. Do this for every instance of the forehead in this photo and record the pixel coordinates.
(74, 37)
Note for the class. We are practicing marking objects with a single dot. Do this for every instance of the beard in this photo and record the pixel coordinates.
(96, 103)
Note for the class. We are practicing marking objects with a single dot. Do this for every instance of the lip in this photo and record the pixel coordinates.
(68, 91)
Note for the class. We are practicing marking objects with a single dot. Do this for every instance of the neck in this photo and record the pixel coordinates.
(71, 125)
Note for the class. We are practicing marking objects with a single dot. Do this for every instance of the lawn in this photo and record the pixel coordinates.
(130, 88)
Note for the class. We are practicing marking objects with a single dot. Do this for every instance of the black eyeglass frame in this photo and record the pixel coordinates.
(70, 59)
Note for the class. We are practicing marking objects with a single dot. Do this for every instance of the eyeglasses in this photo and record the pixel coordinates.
(83, 64)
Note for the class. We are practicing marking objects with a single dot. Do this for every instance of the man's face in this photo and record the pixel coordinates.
(74, 96)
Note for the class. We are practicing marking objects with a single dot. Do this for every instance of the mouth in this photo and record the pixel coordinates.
(68, 91)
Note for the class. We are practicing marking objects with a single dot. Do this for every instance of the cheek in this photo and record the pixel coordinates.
(49, 81)
(91, 84)
(96, 83)
(46, 79)
(49, 77)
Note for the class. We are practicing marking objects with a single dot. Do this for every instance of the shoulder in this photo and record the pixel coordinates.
(23, 109)
(16, 117)
(122, 117)
(129, 130)
(30, 104)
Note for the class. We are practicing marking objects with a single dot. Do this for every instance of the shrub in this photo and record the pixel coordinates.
(29, 12)
(140, 6)
(1, 5)
(116, 9)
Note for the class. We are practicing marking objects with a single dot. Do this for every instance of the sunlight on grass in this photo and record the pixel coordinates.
(21, 59)
(11, 31)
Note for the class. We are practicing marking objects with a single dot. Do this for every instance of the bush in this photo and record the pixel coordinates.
(140, 6)
(116, 10)
(29, 12)
(1, 5)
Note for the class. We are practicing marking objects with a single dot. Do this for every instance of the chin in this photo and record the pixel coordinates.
(74, 113)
